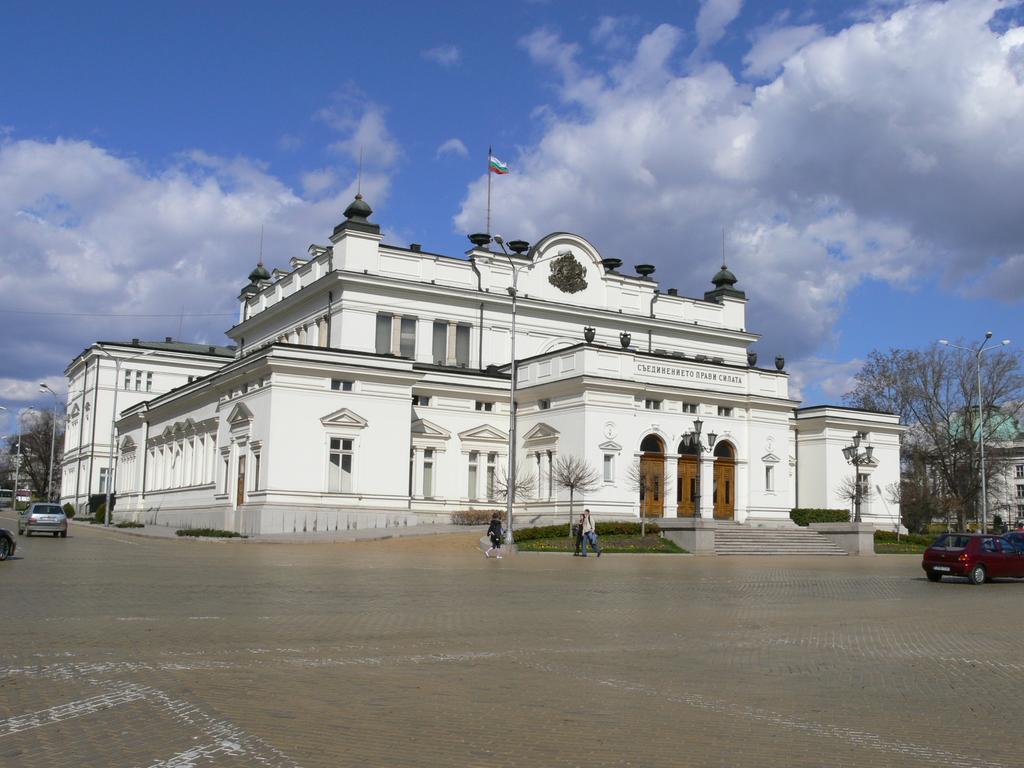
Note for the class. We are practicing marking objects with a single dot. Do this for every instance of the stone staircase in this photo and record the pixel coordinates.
(734, 539)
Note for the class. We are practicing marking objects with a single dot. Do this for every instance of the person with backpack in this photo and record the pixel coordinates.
(494, 533)
(589, 534)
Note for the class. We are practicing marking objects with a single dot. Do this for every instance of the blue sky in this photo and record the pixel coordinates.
(864, 158)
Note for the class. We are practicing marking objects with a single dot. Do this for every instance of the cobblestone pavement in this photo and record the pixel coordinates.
(127, 651)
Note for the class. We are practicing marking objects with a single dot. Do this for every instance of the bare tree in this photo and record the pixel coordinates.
(644, 478)
(576, 475)
(523, 485)
(934, 391)
(36, 434)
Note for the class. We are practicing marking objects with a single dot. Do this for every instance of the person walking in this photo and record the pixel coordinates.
(577, 535)
(494, 534)
(589, 534)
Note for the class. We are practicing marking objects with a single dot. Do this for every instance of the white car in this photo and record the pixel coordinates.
(43, 518)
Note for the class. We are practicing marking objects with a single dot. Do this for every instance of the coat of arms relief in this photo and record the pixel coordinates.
(567, 274)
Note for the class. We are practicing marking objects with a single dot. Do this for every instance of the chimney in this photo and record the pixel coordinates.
(168, 339)
(415, 247)
(212, 349)
(135, 342)
(673, 291)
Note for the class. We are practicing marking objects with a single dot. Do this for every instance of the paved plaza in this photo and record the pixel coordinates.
(131, 651)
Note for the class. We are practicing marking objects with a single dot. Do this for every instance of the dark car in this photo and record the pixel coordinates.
(978, 556)
(7, 545)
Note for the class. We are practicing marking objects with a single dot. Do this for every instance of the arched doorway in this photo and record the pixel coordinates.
(724, 493)
(651, 481)
(686, 479)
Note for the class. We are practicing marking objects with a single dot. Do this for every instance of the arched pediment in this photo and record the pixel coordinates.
(344, 417)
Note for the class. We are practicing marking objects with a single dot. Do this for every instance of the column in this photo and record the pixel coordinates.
(417, 472)
(707, 486)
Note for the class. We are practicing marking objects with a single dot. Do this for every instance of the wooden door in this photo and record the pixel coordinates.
(725, 488)
(686, 486)
(240, 494)
(652, 496)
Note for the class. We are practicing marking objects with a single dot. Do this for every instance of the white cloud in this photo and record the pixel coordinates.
(27, 390)
(833, 378)
(889, 150)
(445, 55)
(368, 136)
(88, 233)
(452, 147)
(315, 182)
(712, 20)
(773, 46)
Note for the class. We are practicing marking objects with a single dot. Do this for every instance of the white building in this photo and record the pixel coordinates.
(370, 387)
(138, 371)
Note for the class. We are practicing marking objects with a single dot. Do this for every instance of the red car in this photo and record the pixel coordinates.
(978, 556)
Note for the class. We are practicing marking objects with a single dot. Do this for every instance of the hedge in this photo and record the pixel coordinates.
(603, 529)
(808, 516)
(889, 537)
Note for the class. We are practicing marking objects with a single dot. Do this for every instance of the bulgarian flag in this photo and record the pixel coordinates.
(495, 165)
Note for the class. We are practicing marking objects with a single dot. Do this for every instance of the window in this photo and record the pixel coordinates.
(1020, 491)
(127, 379)
(339, 470)
(341, 385)
(1018, 471)
(544, 404)
(428, 472)
(423, 400)
(149, 381)
(462, 345)
(138, 381)
(104, 475)
(769, 478)
(474, 461)
(689, 407)
(439, 343)
(652, 405)
(256, 471)
(383, 340)
(492, 473)
(484, 405)
(407, 337)
(227, 473)
(441, 352)
(724, 411)
(609, 467)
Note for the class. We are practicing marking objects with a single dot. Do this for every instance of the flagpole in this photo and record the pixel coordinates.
(489, 150)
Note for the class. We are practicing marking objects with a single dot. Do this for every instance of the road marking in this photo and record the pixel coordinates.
(68, 711)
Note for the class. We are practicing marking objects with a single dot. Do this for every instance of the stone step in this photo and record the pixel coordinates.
(741, 540)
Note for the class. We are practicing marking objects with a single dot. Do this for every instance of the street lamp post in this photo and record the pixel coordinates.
(17, 457)
(698, 425)
(113, 424)
(53, 437)
(858, 458)
(981, 414)
(519, 247)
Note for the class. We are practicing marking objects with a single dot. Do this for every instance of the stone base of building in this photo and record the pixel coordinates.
(855, 538)
(695, 535)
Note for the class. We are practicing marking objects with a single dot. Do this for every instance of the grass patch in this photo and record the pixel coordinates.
(213, 533)
(611, 544)
(129, 524)
(886, 543)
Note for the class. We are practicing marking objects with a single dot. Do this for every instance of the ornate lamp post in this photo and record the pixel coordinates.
(858, 458)
(698, 425)
(17, 457)
(981, 415)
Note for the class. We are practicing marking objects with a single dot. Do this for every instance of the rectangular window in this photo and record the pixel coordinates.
(652, 405)
(422, 400)
(544, 404)
(609, 467)
(255, 471)
(407, 338)
(149, 381)
(492, 476)
(462, 345)
(551, 475)
(383, 340)
(341, 385)
(103, 480)
(724, 411)
(483, 405)
(227, 474)
(339, 470)
(138, 381)
(1020, 491)
(474, 460)
(439, 345)
(1018, 471)
(428, 472)
(689, 407)
(127, 379)
(769, 478)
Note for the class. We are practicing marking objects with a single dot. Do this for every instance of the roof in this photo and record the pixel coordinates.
(184, 347)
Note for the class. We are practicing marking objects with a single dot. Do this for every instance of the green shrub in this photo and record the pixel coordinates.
(472, 517)
(889, 537)
(611, 528)
(214, 533)
(129, 524)
(100, 516)
(69, 510)
(808, 516)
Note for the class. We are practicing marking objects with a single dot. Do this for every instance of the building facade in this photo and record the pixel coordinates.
(370, 387)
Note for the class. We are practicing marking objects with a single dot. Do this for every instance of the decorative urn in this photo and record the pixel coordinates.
(780, 362)
(588, 334)
(624, 339)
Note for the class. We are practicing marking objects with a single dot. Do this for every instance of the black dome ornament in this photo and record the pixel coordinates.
(259, 274)
(725, 285)
(357, 217)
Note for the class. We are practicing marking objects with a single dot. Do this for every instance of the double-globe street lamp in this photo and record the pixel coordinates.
(17, 457)
(113, 424)
(519, 247)
(858, 458)
(981, 413)
(43, 387)
(695, 442)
